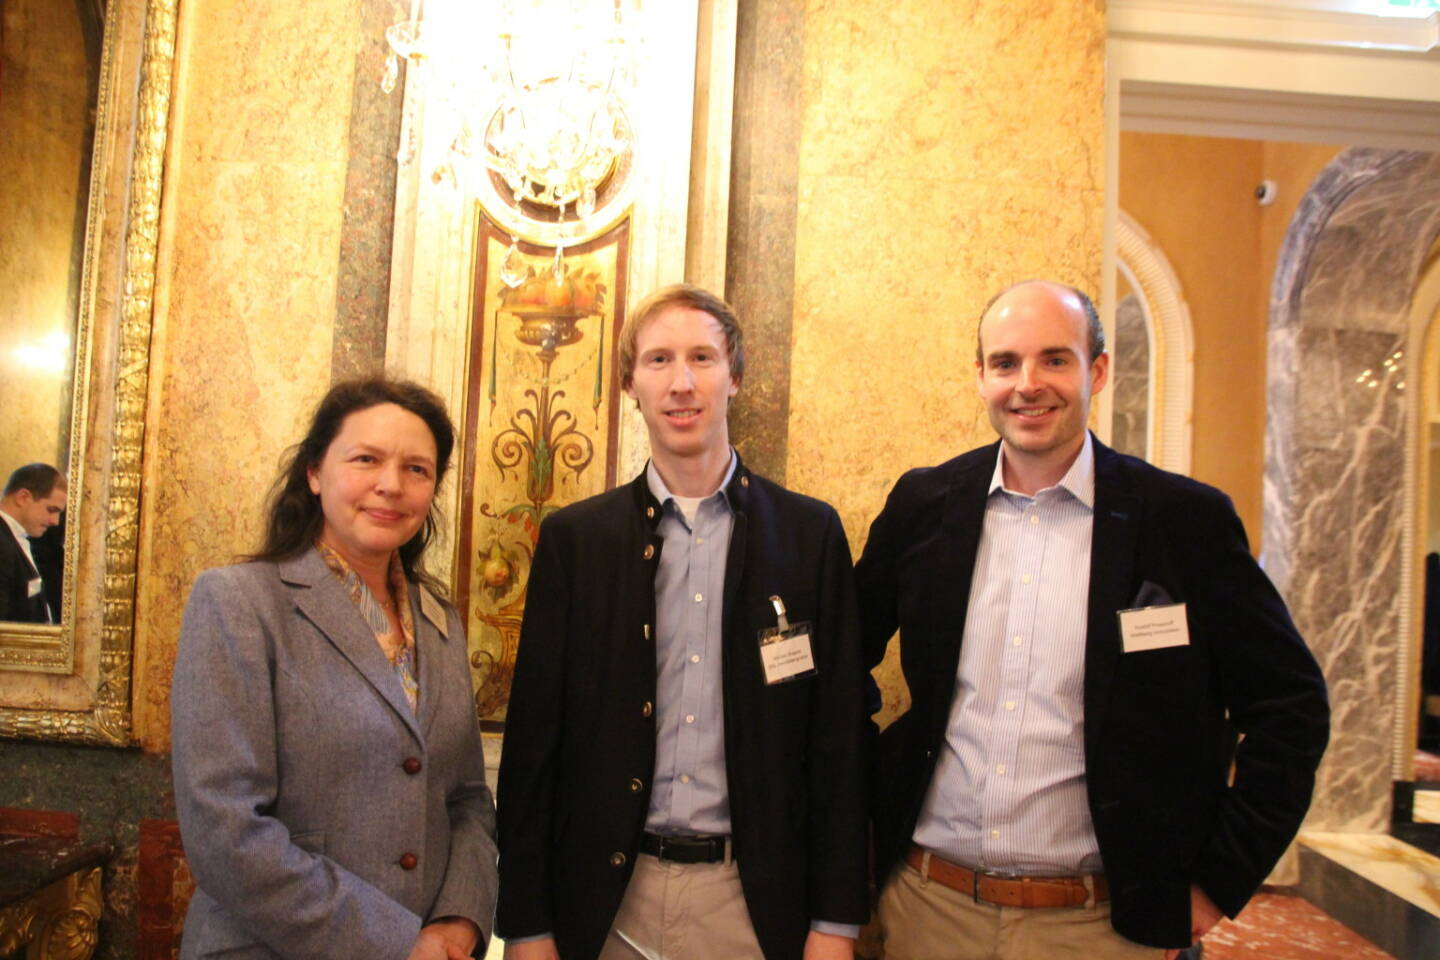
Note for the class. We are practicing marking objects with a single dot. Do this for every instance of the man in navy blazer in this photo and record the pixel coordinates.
(1083, 636)
(683, 770)
(33, 501)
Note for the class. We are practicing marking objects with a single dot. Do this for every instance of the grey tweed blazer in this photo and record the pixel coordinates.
(322, 817)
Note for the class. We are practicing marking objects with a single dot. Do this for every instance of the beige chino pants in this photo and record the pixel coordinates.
(928, 921)
(682, 911)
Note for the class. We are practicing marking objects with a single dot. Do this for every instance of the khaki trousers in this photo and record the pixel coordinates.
(926, 920)
(682, 911)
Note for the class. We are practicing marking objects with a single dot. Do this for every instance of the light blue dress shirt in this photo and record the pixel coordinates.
(1008, 793)
(688, 792)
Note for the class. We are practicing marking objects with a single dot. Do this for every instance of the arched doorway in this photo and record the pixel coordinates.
(1338, 497)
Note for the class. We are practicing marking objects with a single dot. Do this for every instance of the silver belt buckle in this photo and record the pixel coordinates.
(980, 872)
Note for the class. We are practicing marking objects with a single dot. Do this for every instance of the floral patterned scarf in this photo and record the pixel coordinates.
(399, 650)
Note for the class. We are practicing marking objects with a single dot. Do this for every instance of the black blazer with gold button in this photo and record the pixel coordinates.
(580, 730)
(1160, 725)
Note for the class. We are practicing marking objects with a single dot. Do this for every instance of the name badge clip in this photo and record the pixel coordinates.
(780, 618)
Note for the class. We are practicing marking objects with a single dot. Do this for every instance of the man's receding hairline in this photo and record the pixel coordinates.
(1091, 329)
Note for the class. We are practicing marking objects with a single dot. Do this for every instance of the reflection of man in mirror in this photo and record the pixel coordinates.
(33, 502)
(49, 553)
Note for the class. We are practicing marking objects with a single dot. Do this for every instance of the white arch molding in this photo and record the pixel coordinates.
(1172, 343)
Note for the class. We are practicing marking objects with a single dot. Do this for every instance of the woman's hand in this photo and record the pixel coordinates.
(450, 938)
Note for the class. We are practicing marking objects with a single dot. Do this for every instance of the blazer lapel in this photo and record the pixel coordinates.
(17, 552)
(322, 599)
(1112, 565)
(962, 520)
(430, 645)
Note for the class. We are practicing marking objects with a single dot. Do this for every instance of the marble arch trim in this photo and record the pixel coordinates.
(1336, 520)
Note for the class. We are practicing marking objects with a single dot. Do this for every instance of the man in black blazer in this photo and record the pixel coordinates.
(683, 768)
(33, 501)
(1083, 636)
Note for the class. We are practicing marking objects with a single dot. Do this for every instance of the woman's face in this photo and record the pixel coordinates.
(375, 483)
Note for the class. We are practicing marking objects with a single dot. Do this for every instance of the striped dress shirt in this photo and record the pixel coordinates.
(1008, 793)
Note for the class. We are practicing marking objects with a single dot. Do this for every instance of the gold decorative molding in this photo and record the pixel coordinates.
(107, 722)
(60, 922)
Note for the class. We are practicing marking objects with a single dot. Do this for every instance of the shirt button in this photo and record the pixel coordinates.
(689, 718)
(408, 861)
(1000, 769)
(684, 778)
(699, 539)
(994, 833)
(411, 765)
(649, 550)
(1025, 578)
(699, 597)
(617, 859)
(694, 658)
(636, 785)
(1016, 641)
(1009, 704)
(647, 709)
(1034, 519)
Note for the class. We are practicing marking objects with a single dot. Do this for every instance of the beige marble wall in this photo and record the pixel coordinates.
(246, 292)
(45, 100)
(946, 151)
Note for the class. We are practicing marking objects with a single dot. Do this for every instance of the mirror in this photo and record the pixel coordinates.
(84, 115)
(49, 86)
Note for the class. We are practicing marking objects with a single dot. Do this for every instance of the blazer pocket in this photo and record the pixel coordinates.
(220, 936)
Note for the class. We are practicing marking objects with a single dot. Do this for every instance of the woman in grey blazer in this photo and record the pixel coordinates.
(329, 777)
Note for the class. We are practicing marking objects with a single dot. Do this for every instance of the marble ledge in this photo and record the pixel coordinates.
(1427, 806)
(1393, 865)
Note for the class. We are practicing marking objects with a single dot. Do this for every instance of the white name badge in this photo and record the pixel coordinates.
(434, 612)
(785, 653)
(1154, 628)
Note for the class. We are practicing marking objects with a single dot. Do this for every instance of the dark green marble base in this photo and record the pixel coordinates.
(112, 791)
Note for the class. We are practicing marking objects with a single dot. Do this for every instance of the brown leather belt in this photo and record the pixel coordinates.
(1010, 891)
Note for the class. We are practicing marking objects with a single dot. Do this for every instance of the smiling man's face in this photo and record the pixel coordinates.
(683, 384)
(1035, 373)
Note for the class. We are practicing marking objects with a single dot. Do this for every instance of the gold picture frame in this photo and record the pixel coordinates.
(88, 655)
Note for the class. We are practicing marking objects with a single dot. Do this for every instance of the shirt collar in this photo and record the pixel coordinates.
(17, 530)
(662, 492)
(1079, 480)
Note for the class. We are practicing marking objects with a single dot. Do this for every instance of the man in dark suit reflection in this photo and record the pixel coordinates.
(48, 549)
(1083, 636)
(33, 501)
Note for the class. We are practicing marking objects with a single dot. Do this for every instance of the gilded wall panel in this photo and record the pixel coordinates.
(541, 426)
